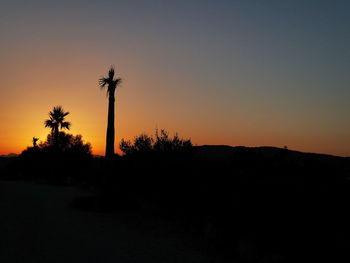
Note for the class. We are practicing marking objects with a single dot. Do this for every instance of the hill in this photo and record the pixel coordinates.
(226, 153)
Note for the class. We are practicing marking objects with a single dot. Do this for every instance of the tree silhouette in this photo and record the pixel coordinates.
(56, 121)
(111, 83)
(34, 140)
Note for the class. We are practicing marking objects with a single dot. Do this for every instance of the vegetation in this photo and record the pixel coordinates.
(162, 143)
(34, 141)
(67, 143)
(56, 121)
(112, 83)
(61, 156)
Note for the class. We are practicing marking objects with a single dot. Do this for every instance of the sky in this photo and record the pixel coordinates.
(252, 73)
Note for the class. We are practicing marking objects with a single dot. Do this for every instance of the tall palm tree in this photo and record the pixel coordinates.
(112, 84)
(57, 120)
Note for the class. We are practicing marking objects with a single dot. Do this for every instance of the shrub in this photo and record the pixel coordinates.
(69, 158)
(67, 143)
(162, 143)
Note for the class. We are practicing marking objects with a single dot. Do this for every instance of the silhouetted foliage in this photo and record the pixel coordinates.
(67, 143)
(162, 143)
(112, 84)
(56, 121)
(35, 141)
(141, 143)
(60, 157)
(56, 160)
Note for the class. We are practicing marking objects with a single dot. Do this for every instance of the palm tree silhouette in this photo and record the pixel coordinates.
(34, 140)
(112, 84)
(56, 121)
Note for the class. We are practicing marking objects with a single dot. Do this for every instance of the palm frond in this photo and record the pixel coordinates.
(49, 123)
(57, 116)
(111, 73)
(66, 125)
(118, 81)
(102, 82)
(111, 82)
(58, 109)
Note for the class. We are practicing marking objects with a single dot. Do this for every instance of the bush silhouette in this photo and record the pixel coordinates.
(61, 156)
(162, 143)
(66, 143)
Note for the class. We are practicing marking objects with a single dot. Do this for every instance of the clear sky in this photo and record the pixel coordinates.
(254, 73)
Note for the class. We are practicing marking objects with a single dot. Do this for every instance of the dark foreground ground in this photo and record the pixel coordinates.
(210, 204)
(37, 224)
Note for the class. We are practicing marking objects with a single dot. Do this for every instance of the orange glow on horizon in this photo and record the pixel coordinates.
(146, 100)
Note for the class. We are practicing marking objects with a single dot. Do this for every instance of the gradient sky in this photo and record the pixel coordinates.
(254, 73)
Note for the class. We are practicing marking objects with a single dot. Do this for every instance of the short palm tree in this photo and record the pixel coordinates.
(34, 140)
(112, 84)
(56, 121)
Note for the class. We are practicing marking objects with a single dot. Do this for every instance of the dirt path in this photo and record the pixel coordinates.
(37, 225)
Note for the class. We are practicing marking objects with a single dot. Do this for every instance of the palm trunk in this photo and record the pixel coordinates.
(110, 127)
(55, 136)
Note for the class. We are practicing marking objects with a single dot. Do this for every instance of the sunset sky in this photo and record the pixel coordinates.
(253, 73)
